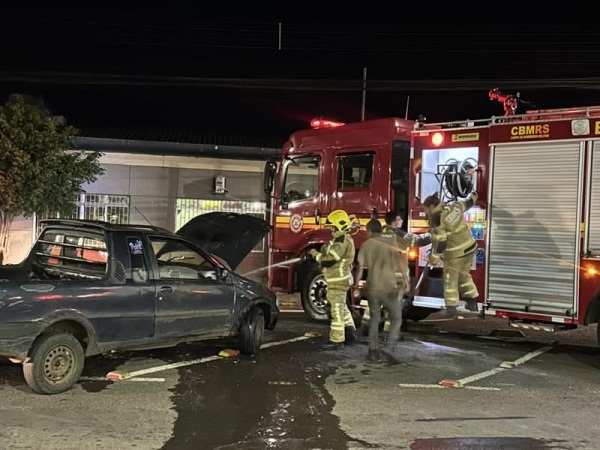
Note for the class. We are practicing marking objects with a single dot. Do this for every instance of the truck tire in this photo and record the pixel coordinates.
(252, 331)
(55, 363)
(313, 293)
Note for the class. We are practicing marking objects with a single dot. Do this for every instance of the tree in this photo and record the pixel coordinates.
(38, 174)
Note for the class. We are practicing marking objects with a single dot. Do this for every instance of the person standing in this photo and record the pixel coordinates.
(392, 230)
(454, 245)
(382, 262)
(335, 259)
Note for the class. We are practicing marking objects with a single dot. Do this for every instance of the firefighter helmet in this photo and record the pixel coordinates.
(339, 219)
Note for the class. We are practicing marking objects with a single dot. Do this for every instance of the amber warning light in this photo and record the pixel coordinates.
(437, 139)
(324, 123)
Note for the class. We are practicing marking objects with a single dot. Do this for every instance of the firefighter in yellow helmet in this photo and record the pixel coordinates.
(335, 259)
(453, 243)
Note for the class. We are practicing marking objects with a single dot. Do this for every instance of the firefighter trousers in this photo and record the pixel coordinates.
(341, 317)
(386, 316)
(458, 280)
(391, 300)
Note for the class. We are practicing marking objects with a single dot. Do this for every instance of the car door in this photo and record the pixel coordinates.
(193, 299)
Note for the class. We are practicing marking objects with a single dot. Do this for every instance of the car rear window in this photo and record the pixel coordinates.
(72, 254)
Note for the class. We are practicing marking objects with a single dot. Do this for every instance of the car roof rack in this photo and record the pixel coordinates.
(103, 225)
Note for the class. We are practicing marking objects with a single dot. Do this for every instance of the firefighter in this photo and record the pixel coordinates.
(336, 259)
(392, 230)
(453, 244)
(382, 260)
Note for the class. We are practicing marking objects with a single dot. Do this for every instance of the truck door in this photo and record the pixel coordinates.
(300, 200)
(192, 300)
(355, 188)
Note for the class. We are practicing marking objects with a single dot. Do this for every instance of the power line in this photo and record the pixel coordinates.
(348, 85)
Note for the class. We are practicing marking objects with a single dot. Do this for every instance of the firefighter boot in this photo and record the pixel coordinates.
(329, 345)
(451, 312)
(374, 355)
(349, 336)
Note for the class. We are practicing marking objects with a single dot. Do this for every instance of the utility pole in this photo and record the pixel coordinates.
(407, 102)
(364, 94)
(279, 35)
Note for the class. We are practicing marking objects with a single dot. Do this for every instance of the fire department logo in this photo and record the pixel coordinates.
(296, 223)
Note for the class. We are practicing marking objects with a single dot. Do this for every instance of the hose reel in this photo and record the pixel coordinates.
(457, 178)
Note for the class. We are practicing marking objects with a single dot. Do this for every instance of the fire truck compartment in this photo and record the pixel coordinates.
(535, 217)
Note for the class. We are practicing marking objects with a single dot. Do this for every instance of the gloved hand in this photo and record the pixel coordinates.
(434, 260)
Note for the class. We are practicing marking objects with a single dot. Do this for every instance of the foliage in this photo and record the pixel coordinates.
(37, 173)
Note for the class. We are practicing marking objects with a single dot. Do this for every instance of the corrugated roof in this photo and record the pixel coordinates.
(184, 137)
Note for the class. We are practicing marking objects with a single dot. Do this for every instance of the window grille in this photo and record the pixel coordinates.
(104, 207)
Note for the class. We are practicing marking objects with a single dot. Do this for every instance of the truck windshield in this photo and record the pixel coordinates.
(301, 178)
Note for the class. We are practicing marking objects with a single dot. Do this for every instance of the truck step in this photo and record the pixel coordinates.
(549, 327)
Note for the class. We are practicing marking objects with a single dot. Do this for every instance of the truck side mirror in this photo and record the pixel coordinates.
(269, 176)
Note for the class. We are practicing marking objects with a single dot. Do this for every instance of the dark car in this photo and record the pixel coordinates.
(88, 288)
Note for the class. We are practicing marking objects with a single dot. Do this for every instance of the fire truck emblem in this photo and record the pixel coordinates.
(296, 223)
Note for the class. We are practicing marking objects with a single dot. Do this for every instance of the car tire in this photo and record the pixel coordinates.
(252, 331)
(313, 293)
(55, 363)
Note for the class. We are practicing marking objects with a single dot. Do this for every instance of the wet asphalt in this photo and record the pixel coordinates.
(296, 396)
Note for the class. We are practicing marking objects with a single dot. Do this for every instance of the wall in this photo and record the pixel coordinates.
(154, 183)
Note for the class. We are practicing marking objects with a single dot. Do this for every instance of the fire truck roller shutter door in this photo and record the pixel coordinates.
(534, 227)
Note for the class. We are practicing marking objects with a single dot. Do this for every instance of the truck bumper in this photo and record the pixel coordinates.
(16, 338)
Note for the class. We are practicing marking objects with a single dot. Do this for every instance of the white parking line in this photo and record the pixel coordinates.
(118, 376)
(437, 386)
(488, 373)
(156, 380)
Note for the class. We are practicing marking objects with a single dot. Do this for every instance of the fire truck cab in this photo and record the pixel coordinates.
(360, 167)
(537, 221)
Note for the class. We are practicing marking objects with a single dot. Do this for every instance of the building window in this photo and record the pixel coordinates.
(103, 207)
(188, 208)
(355, 171)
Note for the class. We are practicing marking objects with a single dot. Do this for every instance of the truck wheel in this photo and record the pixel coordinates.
(55, 364)
(314, 295)
(252, 331)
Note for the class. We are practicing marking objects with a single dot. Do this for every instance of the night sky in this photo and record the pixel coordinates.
(185, 70)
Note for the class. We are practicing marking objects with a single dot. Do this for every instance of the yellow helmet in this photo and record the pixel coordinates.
(339, 219)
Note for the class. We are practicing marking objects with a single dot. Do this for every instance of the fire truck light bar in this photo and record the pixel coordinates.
(323, 123)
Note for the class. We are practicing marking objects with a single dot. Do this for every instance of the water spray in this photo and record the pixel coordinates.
(282, 263)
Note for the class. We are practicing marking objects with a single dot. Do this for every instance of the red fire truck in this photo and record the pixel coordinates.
(537, 221)
(361, 168)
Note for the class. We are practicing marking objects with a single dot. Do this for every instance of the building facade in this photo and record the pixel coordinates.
(164, 184)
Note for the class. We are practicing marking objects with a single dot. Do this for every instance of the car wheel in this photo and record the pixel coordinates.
(55, 363)
(314, 295)
(252, 331)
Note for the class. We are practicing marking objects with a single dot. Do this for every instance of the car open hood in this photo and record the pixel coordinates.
(230, 236)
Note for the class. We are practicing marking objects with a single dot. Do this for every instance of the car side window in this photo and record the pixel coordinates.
(178, 261)
(138, 272)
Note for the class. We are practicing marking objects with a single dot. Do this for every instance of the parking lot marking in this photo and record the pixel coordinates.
(488, 373)
(438, 386)
(156, 380)
(119, 376)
